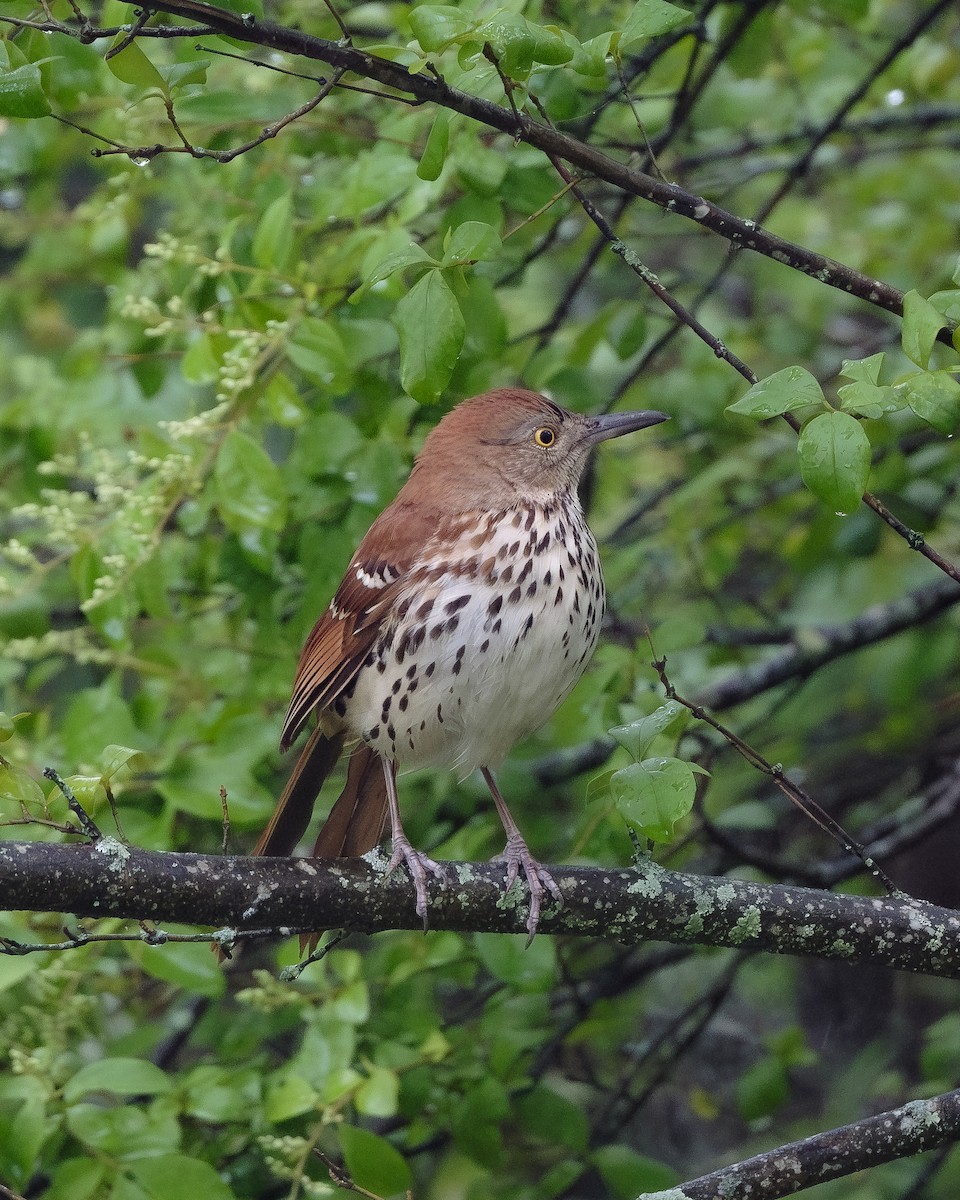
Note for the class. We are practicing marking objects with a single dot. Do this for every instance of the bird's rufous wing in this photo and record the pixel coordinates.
(341, 639)
(378, 573)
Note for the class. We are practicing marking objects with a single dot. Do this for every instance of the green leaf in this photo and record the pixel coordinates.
(431, 329)
(179, 75)
(76, 1179)
(186, 965)
(24, 1127)
(762, 1089)
(408, 256)
(273, 241)
(532, 969)
(21, 92)
(786, 390)
(835, 460)
(88, 790)
(637, 737)
(169, 1175)
(864, 399)
(654, 795)
(628, 1174)
(317, 349)
(378, 1095)
(373, 1163)
(921, 324)
(477, 1121)
(216, 1094)
(554, 1119)
(201, 363)
(248, 486)
(19, 788)
(131, 65)
(863, 370)
(648, 19)
(119, 1077)
(591, 57)
(351, 1003)
(114, 758)
(471, 242)
(941, 1052)
(13, 969)
(481, 169)
(289, 1096)
(435, 151)
(947, 302)
(437, 25)
(935, 397)
(549, 47)
(513, 43)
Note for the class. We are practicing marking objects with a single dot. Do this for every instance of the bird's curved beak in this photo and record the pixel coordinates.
(611, 425)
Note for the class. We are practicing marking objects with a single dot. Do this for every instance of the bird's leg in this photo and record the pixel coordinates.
(516, 855)
(416, 862)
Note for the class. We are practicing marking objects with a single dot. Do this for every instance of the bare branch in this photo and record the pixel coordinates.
(813, 647)
(792, 790)
(292, 896)
(898, 1133)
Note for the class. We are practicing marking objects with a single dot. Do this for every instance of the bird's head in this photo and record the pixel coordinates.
(510, 443)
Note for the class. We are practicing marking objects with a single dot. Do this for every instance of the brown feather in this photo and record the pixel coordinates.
(344, 635)
(358, 820)
(295, 806)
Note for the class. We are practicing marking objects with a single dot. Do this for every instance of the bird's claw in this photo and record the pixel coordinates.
(418, 865)
(539, 879)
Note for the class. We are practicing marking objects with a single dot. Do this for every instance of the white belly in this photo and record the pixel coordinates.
(477, 663)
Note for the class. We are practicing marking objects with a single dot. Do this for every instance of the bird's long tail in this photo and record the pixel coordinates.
(356, 822)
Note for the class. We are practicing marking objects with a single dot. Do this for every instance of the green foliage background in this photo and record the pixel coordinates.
(214, 375)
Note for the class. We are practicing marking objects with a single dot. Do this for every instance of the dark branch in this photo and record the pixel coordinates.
(648, 903)
(914, 117)
(816, 646)
(911, 1129)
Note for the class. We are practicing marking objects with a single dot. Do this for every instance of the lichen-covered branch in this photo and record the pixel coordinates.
(108, 878)
(899, 1133)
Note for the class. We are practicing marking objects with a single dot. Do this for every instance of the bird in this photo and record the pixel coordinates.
(465, 617)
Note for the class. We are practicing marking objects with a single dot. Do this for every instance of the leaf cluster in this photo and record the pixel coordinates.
(222, 341)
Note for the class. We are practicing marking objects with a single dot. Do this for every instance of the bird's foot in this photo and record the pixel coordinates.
(418, 865)
(539, 879)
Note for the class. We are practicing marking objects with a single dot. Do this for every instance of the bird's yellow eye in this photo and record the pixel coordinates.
(545, 436)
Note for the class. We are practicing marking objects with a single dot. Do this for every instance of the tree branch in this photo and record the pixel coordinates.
(812, 648)
(888, 1136)
(427, 87)
(294, 895)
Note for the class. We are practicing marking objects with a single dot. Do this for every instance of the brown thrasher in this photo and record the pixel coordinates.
(465, 617)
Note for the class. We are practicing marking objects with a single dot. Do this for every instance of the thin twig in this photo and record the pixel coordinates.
(802, 164)
(341, 1177)
(796, 794)
(634, 262)
(225, 811)
(86, 823)
(142, 17)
